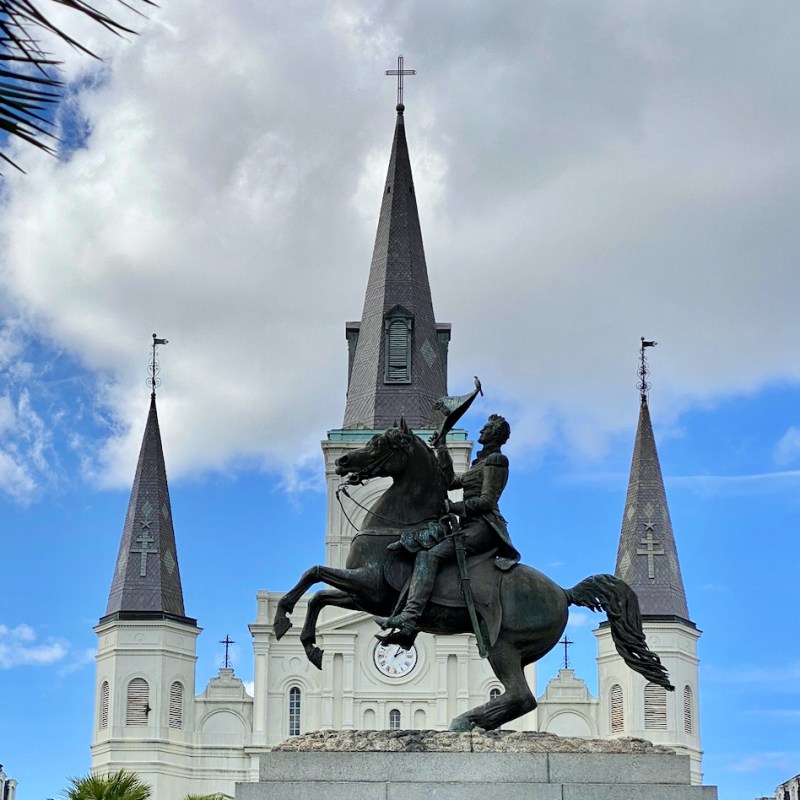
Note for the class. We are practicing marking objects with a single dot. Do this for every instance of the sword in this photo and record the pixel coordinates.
(451, 521)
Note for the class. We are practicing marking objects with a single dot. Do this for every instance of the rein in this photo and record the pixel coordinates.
(343, 490)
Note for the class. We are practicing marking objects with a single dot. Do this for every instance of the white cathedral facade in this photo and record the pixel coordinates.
(149, 717)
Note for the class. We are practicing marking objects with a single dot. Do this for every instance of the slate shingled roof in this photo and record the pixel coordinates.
(647, 558)
(398, 276)
(147, 581)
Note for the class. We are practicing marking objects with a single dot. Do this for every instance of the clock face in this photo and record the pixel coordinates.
(394, 662)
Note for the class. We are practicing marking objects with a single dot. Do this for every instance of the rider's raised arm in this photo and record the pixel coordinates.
(446, 463)
(495, 477)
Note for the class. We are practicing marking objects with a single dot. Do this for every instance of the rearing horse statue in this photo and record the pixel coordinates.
(523, 615)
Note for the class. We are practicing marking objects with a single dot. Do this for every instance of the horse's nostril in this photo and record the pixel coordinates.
(340, 462)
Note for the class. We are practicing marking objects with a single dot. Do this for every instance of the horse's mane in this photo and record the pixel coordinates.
(419, 443)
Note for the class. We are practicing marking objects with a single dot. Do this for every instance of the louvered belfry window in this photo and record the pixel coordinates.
(138, 704)
(105, 695)
(617, 709)
(688, 722)
(398, 349)
(294, 711)
(655, 707)
(176, 705)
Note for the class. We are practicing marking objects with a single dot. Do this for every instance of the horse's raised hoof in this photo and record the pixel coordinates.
(281, 625)
(315, 656)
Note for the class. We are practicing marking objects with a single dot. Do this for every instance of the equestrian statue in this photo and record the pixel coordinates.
(423, 563)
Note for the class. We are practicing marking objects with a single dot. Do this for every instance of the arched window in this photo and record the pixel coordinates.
(138, 702)
(105, 694)
(617, 709)
(688, 721)
(494, 693)
(294, 711)
(397, 327)
(655, 707)
(176, 705)
(394, 720)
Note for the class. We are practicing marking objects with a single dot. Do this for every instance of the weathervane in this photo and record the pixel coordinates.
(400, 72)
(643, 385)
(154, 381)
(227, 641)
(566, 642)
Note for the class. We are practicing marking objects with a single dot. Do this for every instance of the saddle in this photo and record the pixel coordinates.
(485, 578)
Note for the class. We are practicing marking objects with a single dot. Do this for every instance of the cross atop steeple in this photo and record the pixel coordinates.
(400, 72)
(398, 352)
(566, 642)
(227, 641)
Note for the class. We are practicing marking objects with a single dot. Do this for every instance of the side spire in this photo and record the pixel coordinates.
(147, 582)
(647, 558)
(398, 352)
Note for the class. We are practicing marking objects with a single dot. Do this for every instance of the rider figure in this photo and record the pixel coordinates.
(482, 525)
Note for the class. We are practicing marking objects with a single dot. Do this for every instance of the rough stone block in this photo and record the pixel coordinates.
(420, 765)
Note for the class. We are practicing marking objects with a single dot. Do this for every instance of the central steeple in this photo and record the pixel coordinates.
(398, 352)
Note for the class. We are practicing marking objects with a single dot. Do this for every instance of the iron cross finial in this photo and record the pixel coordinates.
(154, 381)
(566, 642)
(227, 641)
(643, 385)
(400, 72)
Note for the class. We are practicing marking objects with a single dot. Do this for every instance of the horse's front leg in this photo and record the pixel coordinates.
(351, 581)
(308, 636)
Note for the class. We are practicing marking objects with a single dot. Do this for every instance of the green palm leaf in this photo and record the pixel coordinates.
(122, 785)
(29, 84)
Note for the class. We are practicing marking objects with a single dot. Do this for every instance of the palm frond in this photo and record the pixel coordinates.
(29, 83)
(122, 785)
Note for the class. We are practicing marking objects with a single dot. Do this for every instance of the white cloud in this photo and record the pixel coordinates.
(585, 176)
(580, 618)
(78, 660)
(18, 647)
(783, 678)
(787, 450)
(758, 482)
(25, 441)
(767, 760)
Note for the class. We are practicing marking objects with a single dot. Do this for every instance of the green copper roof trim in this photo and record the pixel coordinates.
(365, 434)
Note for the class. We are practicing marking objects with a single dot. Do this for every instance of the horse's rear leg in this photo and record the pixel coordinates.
(352, 581)
(308, 636)
(517, 699)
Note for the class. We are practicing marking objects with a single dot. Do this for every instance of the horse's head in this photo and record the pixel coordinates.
(387, 454)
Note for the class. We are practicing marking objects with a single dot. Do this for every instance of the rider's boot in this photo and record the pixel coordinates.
(407, 621)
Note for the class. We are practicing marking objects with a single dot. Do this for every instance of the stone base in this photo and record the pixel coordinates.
(621, 770)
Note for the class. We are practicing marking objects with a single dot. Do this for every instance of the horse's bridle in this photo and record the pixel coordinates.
(358, 477)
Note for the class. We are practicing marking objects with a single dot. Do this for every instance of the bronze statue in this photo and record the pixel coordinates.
(521, 613)
(481, 525)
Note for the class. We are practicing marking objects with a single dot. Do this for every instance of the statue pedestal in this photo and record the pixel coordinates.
(550, 768)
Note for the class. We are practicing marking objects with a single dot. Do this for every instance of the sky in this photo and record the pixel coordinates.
(586, 174)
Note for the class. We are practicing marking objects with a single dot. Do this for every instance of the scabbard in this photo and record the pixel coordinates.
(466, 587)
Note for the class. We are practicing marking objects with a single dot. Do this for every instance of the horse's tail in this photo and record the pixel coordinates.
(619, 601)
